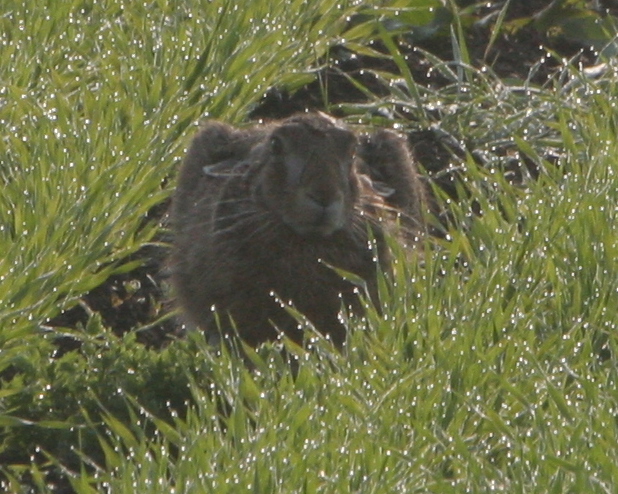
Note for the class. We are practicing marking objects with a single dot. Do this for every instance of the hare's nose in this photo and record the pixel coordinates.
(318, 213)
(323, 200)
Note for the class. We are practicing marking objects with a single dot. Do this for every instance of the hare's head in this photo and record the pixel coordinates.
(307, 175)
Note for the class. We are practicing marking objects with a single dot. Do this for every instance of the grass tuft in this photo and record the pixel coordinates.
(491, 367)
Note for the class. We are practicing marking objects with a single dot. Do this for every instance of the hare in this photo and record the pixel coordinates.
(262, 215)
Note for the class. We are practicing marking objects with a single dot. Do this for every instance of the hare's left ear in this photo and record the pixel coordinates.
(345, 141)
(382, 189)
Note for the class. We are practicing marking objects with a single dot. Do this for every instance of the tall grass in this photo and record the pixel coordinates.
(488, 371)
(96, 98)
(491, 368)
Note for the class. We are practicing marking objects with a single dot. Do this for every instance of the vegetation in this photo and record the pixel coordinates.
(493, 365)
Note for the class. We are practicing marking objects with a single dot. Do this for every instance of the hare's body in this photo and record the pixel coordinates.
(263, 215)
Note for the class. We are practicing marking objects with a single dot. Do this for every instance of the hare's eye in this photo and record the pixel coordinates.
(276, 146)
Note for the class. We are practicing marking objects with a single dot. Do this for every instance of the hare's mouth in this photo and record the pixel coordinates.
(310, 230)
(309, 218)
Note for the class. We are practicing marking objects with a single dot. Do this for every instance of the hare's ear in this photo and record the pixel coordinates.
(223, 169)
(382, 189)
(346, 141)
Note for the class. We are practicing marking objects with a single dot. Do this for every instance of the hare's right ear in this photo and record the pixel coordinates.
(212, 144)
(214, 134)
(223, 169)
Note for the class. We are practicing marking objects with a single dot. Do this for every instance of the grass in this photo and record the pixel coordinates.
(492, 368)
(96, 110)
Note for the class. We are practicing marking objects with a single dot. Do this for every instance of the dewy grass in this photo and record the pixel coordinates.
(487, 371)
(95, 100)
(491, 368)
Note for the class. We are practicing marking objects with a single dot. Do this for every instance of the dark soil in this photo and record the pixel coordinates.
(136, 300)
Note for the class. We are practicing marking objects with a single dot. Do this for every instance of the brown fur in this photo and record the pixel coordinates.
(262, 213)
